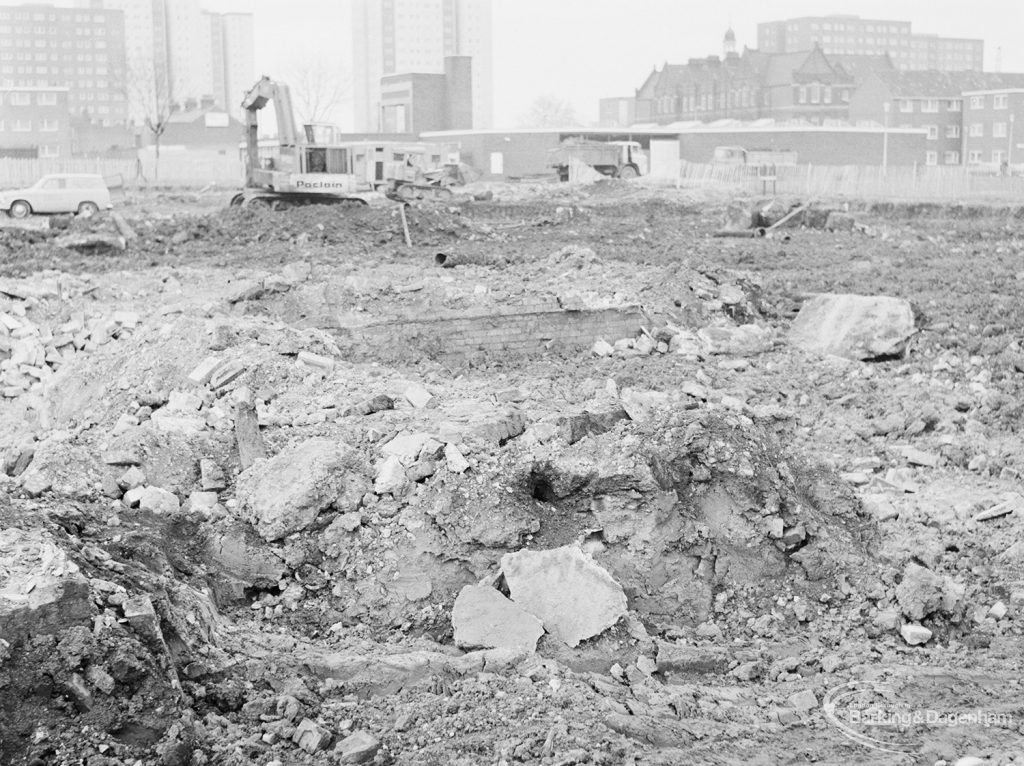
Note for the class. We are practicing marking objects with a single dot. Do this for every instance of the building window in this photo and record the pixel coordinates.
(952, 158)
(977, 102)
(977, 130)
(973, 157)
(21, 126)
(801, 96)
(952, 131)
(998, 130)
(931, 158)
(933, 132)
(48, 126)
(828, 94)
(46, 99)
(49, 151)
(1000, 101)
(930, 106)
(906, 105)
(815, 94)
(20, 99)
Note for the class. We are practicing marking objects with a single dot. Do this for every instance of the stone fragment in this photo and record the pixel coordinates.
(915, 456)
(369, 406)
(572, 595)
(803, 700)
(456, 461)
(311, 737)
(919, 592)
(225, 374)
(202, 372)
(202, 501)
(211, 476)
(358, 747)
(406, 446)
(285, 493)
(483, 617)
(602, 347)
(132, 478)
(317, 361)
(997, 610)
(390, 477)
(177, 422)
(141, 615)
(643, 406)
(915, 634)
(854, 326)
(158, 500)
(41, 589)
(417, 395)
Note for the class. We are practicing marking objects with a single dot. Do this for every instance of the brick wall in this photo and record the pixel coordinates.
(506, 332)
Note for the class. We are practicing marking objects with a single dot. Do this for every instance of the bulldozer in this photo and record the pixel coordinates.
(315, 166)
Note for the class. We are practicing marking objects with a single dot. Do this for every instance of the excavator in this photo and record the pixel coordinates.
(317, 167)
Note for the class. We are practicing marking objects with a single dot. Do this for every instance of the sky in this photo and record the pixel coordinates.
(582, 50)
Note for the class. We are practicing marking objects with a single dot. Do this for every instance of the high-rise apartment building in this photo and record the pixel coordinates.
(176, 51)
(871, 37)
(415, 36)
(81, 49)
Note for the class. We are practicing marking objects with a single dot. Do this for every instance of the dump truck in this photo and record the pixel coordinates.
(618, 159)
(315, 165)
(737, 155)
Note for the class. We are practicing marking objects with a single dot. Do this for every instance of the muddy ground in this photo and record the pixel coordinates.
(776, 519)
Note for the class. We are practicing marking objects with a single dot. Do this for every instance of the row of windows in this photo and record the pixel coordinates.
(977, 130)
(80, 31)
(929, 105)
(999, 101)
(25, 99)
(949, 158)
(60, 74)
(819, 94)
(78, 18)
(100, 58)
(86, 45)
(25, 126)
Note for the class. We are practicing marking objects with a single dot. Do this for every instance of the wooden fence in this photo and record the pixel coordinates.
(175, 169)
(856, 181)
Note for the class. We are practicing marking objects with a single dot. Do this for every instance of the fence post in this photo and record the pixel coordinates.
(807, 189)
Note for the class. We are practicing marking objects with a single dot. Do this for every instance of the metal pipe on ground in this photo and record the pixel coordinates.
(450, 260)
(760, 231)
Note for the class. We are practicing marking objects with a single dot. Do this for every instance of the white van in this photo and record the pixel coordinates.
(82, 193)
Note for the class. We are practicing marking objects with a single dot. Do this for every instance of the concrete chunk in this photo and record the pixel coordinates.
(203, 371)
(854, 326)
(417, 396)
(483, 617)
(572, 595)
(287, 492)
(311, 737)
(358, 747)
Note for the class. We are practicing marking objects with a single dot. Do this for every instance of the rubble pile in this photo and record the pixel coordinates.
(223, 540)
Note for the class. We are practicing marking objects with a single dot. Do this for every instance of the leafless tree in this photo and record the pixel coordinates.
(150, 99)
(550, 112)
(318, 87)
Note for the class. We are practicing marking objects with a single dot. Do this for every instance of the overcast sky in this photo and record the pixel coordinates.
(581, 50)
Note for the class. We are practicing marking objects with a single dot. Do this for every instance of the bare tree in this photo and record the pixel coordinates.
(150, 99)
(550, 112)
(318, 88)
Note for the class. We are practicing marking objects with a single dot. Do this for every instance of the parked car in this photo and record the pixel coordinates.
(81, 193)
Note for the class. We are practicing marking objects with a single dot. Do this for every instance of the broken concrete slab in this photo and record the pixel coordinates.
(41, 589)
(285, 493)
(483, 618)
(406, 446)
(311, 736)
(158, 500)
(860, 327)
(358, 747)
(456, 461)
(573, 596)
(689, 659)
(390, 477)
(417, 396)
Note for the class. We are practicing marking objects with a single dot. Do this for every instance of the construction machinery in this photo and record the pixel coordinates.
(619, 159)
(317, 166)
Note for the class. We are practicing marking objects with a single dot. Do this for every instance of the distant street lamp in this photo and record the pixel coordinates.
(885, 138)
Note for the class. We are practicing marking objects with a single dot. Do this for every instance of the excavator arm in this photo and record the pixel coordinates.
(267, 90)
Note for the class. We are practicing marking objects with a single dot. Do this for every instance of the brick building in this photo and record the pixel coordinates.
(808, 86)
(81, 50)
(993, 124)
(35, 122)
(967, 115)
(418, 102)
(848, 34)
